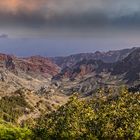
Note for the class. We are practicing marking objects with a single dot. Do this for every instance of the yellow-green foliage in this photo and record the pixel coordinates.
(11, 132)
(105, 116)
(117, 116)
(71, 121)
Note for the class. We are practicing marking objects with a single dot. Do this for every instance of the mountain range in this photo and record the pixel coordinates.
(124, 62)
(129, 66)
(37, 71)
(45, 83)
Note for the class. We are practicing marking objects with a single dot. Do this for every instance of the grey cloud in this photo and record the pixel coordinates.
(3, 36)
(73, 13)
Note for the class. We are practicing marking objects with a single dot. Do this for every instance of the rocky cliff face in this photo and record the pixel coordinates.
(130, 67)
(38, 65)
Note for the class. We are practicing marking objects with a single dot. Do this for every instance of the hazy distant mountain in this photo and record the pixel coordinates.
(130, 66)
(108, 57)
(91, 74)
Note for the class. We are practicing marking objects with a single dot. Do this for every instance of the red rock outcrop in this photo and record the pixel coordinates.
(35, 65)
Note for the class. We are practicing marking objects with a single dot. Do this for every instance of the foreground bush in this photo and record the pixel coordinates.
(10, 132)
(71, 121)
(117, 116)
(106, 116)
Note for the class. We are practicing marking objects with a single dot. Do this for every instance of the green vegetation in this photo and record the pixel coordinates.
(105, 116)
(11, 132)
(71, 121)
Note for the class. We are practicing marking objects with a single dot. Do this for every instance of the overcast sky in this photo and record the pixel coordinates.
(61, 27)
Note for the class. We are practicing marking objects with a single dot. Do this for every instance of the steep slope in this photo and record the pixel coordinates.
(130, 67)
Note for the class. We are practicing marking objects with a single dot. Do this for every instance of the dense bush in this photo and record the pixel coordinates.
(106, 116)
(71, 121)
(11, 132)
(117, 117)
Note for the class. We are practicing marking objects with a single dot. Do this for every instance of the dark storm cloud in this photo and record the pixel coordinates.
(70, 13)
(22, 18)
